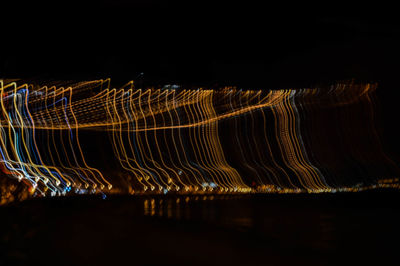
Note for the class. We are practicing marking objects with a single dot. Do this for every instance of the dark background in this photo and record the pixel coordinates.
(207, 43)
(201, 42)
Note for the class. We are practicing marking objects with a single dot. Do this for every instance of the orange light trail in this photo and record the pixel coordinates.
(190, 140)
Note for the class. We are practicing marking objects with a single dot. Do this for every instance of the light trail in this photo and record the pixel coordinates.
(189, 141)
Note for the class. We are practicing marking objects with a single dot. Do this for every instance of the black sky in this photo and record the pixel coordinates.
(200, 42)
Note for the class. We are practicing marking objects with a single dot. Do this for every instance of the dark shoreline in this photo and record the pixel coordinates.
(376, 194)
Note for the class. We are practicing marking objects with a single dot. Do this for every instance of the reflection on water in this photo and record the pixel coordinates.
(230, 229)
(188, 208)
(291, 224)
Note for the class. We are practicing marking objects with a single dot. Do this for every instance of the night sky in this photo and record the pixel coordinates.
(201, 42)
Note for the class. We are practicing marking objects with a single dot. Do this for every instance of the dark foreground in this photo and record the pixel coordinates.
(333, 229)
